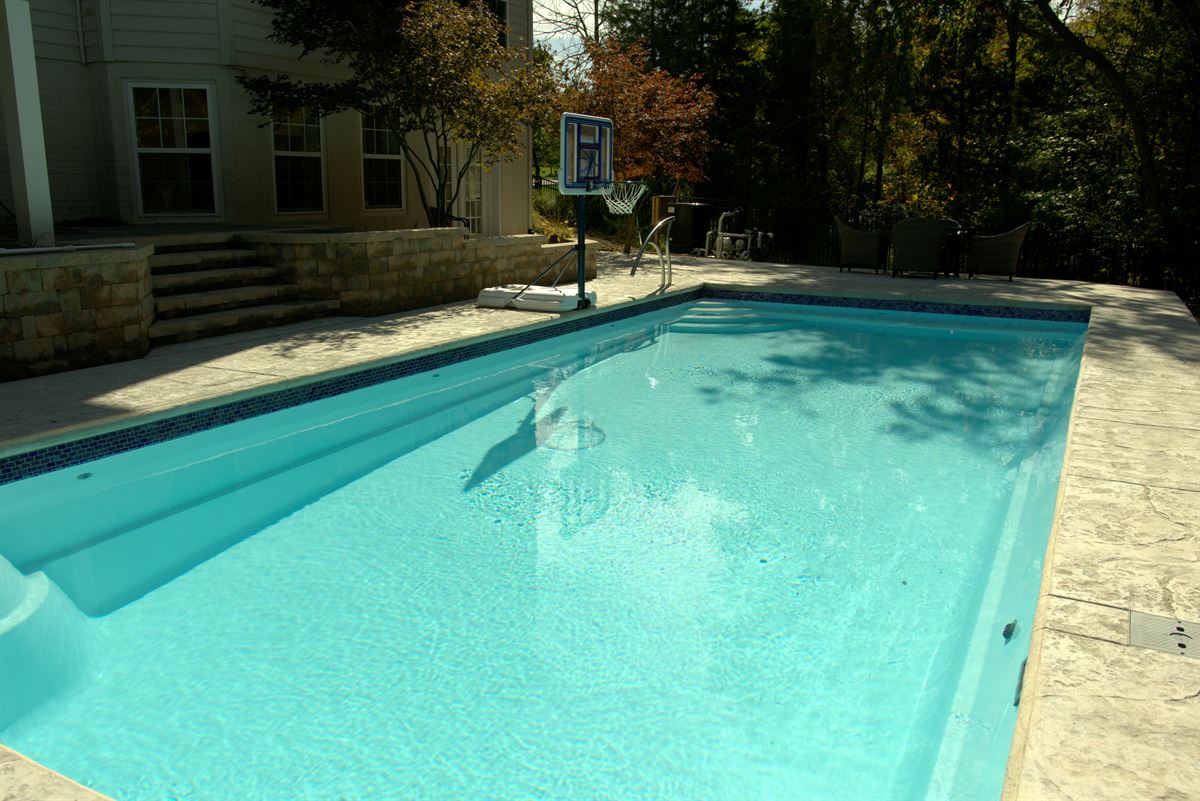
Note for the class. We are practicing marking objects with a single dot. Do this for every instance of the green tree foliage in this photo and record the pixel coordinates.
(544, 122)
(1081, 115)
(434, 68)
(659, 119)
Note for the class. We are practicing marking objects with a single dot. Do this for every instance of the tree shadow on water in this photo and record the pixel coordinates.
(977, 391)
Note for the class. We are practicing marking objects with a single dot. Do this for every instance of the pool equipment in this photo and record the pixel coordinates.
(726, 244)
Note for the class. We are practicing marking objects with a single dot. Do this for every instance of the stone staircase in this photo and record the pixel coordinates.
(203, 289)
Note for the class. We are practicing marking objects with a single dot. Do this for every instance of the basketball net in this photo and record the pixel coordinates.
(622, 196)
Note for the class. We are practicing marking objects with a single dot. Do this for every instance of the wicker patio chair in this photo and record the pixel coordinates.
(919, 245)
(861, 248)
(996, 255)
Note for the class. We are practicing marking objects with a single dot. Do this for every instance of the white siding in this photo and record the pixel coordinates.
(93, 48)
(85, 107)
(79, 164)
(515, 199)
(253, 49)
(166, 31)
(519, 25)
(55, 29)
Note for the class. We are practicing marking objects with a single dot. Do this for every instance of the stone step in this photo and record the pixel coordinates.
(200, 280)
(163, 263)
(183, 329)
(212, 300)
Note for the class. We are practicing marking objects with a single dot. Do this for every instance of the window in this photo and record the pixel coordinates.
(383, 166)
(472, 195)
(299, 184)
(445, 166)
(174, 145)
(500, 9)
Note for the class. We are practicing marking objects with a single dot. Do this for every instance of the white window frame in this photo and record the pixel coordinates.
(324, 210)
(213, 150)
(367, 209)
(479, 167)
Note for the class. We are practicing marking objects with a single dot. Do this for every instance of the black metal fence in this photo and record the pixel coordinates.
(802, 237)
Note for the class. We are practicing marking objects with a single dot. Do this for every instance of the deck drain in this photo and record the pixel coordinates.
(1164, 634)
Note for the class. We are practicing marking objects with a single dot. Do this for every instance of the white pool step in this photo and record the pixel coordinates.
(43, 641)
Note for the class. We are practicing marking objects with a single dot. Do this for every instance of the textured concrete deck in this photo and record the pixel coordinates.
(1100, 718)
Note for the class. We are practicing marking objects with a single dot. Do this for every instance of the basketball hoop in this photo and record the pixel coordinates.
(622, 196)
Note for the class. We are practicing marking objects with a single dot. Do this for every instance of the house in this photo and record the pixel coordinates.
(135, 117)
(144, 123)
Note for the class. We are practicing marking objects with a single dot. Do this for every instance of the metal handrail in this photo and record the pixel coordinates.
(664, 266)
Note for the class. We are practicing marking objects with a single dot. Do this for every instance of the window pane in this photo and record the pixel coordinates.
(172, 133)
(197, 133)
(200, 177)
(381, 183)
(145, 102)
(176, 182)
(312, 139)
(195, 103)
(298, 183)
(170, 102)
(148, 134)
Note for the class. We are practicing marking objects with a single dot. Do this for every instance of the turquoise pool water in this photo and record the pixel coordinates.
(720, 551)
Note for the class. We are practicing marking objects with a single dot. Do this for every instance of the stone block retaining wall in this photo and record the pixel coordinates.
(67, 309)
(389, 271)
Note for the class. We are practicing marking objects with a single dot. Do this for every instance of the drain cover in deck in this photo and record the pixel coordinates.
(1164, 634)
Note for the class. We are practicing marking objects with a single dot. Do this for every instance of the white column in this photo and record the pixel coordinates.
(23, 126)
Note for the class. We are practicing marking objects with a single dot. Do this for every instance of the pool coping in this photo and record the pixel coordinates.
(1128, 450)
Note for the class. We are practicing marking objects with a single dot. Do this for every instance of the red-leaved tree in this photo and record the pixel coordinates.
(659, 119)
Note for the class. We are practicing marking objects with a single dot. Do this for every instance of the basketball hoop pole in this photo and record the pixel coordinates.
(585, 163)
(581, 250)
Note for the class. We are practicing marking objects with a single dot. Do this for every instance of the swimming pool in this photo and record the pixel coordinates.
(719, 550)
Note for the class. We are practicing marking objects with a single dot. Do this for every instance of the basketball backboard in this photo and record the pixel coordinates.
(585, 158)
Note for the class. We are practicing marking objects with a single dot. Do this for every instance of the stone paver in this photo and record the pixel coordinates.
(1099, 719)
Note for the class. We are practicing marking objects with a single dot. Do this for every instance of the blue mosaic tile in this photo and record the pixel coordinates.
(927, 307)
(69, 454)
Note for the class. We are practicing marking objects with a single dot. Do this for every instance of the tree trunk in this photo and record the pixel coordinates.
(1116, 82)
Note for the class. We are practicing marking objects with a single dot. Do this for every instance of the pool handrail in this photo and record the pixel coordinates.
(664, 266)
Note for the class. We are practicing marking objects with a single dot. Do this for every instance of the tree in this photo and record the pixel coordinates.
(572, 25)
(659, 119)
(720, 40)
(1145, 56)
(434, 68)
(545, 120)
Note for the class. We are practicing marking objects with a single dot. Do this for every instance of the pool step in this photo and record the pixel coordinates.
(141, 530)
(43, 641)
